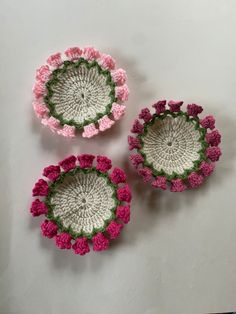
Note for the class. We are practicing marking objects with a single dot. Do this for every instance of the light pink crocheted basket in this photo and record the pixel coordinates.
(175, 150)
(80, 90)
(84, 203)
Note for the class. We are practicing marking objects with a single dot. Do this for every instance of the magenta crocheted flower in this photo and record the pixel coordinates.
(85, 202)
(80, 89)
(174, 149)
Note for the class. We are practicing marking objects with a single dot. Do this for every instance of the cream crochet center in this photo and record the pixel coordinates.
(83, 202)
(172, 144)
(81, 93)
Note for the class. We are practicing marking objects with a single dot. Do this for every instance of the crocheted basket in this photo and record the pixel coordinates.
(82, 203)
(80, 90)
(175, 149)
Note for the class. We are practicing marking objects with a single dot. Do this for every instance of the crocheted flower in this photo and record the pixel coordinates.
(124, 194)
(68, 163)
(38, 208)
(73, 53)
(208, 122)
(145, 114)
(123, 213)
(171, 149)
(207, 168)
(177, 185)
(103, 163)
(122, 92)
(145, 173)
(136, 159)
(87, 201)
(117, 111)
(114, 229)
(52, 172)
(100, 242)
(160, 182)
(89, 101)
(137, 127)
(81, 246)
(195, 180)
(107, 62)
(40, 188)
(213, 153)
(160, 106)
(49, 229)
(86, 160)
(118, 176)
(119, 76)
(63, 241)
(213, 138)
(194, 110)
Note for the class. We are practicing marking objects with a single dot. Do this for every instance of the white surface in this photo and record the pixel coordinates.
(178, 254)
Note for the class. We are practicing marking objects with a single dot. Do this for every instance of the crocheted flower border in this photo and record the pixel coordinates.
(58, 63)
(209, 153)
(52, 226)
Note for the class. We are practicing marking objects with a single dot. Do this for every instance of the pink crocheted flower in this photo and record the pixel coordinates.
(207, 168)
(208, 122)
(73, 53)
(122, 92)
(100, 242)
(119, 76)
(137, 127)
(160, 182)
(39, 89)
(55, 60)
(67, 131)
(63, 241)
(118, 176)
(103, 163)
(91, 53)
(52, 172)
(124, 193)
(81, 246)
(213, 138)
(160, 106)
(107, 62)
(145, 114)
(105, 123)
(52, 122)
(114, 229)
(175, 105)
(146, 174)
(40, 109)
(49, 229)
(117, 111)
(40, 188)
(86, 160)
(177, 185)
(136, 159)
(90, 130)
(38, 208)
(43, 73)
(194, 110)
(213, 153)
(134, 142)
(68, 163)
(195, 180)
(123, 213)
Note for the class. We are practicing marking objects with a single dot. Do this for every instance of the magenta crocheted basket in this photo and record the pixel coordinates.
(85, 203)
(174, 149)
(80, 90)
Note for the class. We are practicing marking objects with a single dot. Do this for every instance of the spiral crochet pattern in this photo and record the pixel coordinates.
(175, 149)
(80, 90)
(82, 203)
